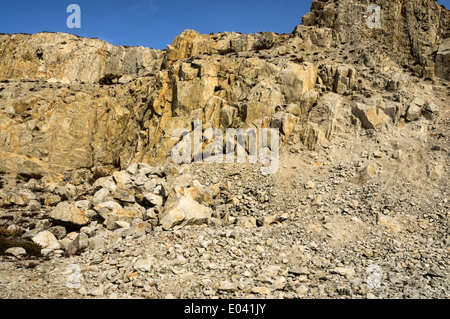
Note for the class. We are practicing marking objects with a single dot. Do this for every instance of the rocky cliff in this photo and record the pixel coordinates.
(410, 31)
(357, 209)
(69, 58)
(58, 115)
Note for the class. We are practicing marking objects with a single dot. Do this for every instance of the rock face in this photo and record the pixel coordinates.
(68, 59)
(410, 31)
(443, 60)
(55, 115)
(58, 113)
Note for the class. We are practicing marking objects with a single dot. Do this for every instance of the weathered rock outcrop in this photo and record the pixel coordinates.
(443, 60)
(69, 58)
(57, 112)
(410, 31)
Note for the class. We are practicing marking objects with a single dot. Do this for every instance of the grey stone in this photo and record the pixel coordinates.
(227, 286)
(143, 264)
(17, 252)
(59, 231)
(101, 196)
(124, 195)
(298, 271)
(415, 109)
(183, 212)
(96, 243)
(34, 205)
(83, 205)
(105, 182)
(106, 207)
(69, 215)
(46, 240)
(154, 199)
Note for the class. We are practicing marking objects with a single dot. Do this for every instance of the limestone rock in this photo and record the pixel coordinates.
(369, 116)
(46, 240)
(183, 212)
(119, 214)
(403, 37)
(63, 58)
(68, 214)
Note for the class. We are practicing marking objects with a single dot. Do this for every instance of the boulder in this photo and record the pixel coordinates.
(369, 116)
(17, 252)
(69, 215)
(415, 109)
(184, 211)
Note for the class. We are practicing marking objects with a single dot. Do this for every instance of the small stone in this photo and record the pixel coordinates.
(43, 224)
(137, 230)
(415, 109)
(124, 195)
(185, 211)
(101, 196)
(83, 204)
(105, 183)
(96, 292)
(247, 222)
(279, 283)
(261, 290)
(46, 240)
(227, 286)
(302, 290)
(297, 271)
(34, 205)
(74, 247)
(309, 185)
(154, 199)
(378, 154)
(52, 200)
(122, 179)
(121, 224)
(17, 252)
(105, 208)
(143, 264)
(124, 80)
(96, 243)
(271, 271)
(88, 230)
(47, 252)
(343, 271)
(59, 231)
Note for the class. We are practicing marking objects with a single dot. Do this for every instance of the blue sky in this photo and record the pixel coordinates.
(153, 23)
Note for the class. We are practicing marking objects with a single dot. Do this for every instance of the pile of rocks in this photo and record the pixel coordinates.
(131, 202)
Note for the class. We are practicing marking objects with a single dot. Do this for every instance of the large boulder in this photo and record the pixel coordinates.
(184, 211)
(69, 215)
(46, 240)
